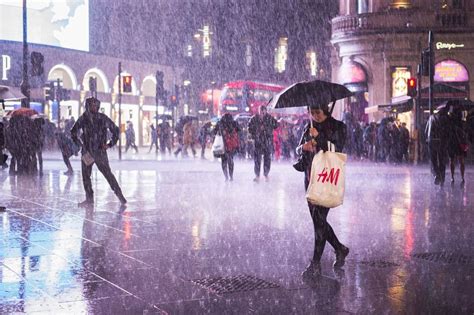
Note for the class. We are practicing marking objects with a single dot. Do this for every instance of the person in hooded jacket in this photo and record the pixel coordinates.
(315, 138)
(229, 129)
(94, 126)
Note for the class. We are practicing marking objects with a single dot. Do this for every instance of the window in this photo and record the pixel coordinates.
(362, 6)
(281, 55)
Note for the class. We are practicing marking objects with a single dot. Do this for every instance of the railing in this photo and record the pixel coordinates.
(401, 20)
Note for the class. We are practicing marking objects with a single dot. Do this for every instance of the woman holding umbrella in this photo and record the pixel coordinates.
(317, 133)
(320, 129)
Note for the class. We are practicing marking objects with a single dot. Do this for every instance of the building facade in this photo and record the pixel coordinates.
(75, 48)
(378, 45)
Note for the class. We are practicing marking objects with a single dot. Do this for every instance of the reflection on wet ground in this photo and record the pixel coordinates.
(191, 243)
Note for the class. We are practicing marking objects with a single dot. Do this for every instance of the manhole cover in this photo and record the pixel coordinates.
(446, 258)
(379, 264)
(223, 285)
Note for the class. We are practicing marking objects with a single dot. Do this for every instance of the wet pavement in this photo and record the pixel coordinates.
(190, 243)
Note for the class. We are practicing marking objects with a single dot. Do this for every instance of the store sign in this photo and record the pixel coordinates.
(206, 41)
(6, 66)
(450, 71)
(400, 75)
(448, 46)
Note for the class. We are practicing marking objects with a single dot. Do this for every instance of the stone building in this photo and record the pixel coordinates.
(378, 45)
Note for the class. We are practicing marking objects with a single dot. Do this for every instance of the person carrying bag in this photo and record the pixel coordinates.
(327, 181)
(323, 163)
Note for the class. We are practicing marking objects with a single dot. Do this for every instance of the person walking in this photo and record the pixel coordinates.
(437, 137)
(261, 128)
(67, 148)
(130, 138)
(165, 137)
(404, 143)
(154, 138)
(324, 128)
(229, 129)
(204, 133)
(458, 144)
(189, 137)
(94, 126)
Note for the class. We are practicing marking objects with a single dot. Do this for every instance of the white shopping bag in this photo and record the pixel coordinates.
(218, 148)
(327, 182)
(87, 159)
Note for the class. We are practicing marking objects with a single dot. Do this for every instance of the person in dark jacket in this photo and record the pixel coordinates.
(229, 129)
(204, 134)
(261, 128)
(94, 126)
(458, 143)
(130, 138)
(324, 128)
(154, 138)
(437, 137)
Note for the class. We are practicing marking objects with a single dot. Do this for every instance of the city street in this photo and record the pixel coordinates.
(191, 243)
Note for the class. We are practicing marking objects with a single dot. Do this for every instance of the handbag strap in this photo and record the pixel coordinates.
(331, 147)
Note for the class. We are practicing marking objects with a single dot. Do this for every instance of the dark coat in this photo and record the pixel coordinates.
(261, 129)
(329, 130)
(94, 132)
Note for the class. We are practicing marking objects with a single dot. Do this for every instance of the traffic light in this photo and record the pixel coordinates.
(160, 85)
(49, 91)
(127, 84)
(411, 87)
(37, 60)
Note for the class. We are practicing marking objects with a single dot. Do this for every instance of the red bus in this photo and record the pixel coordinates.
(246, 96)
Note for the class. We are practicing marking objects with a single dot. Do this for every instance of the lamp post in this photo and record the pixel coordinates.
(25, 84)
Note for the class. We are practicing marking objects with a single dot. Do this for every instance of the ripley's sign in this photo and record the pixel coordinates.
(6, 66)
(448, 46)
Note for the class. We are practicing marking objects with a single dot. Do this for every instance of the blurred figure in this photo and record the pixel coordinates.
(154, 138)
(189, 137)
(67, 148)
(165, 137)
(404, 143)
(130, 138)
(261, 128)
(229, 129)
(369, 138)
(94, 126)
(436, 137)
(204, 134)
(3, 156)
(458, 143)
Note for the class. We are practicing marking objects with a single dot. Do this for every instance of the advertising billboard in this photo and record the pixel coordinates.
(60, 23)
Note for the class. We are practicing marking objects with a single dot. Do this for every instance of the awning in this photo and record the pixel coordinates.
(405, 104)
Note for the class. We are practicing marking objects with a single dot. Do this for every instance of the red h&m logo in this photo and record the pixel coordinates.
(332, 176)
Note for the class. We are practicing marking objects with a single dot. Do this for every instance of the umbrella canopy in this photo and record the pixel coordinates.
(28, 112)
(460, 104)
(10, 93)
(309, 93)
(164, 117)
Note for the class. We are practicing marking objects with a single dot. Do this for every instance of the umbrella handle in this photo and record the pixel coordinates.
(332, 108)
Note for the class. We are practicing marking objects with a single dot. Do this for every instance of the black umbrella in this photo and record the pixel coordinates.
(309, 93)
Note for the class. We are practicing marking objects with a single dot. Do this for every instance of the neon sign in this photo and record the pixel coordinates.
(450, 71)
(448, 46)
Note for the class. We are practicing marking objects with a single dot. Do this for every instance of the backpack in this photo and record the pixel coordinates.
(231, 140)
